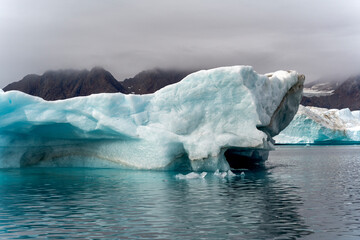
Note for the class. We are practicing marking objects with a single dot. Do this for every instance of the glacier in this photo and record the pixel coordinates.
(192, 125)
(315, 125)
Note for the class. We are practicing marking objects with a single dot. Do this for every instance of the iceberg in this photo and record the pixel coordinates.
(315, 125)
(193, 124)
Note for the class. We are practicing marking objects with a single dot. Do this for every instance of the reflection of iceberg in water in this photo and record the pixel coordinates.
(191, 124)
(282, 204)
(257, 207)
(148, 204)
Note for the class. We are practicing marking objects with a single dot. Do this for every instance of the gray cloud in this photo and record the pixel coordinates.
(319, 38)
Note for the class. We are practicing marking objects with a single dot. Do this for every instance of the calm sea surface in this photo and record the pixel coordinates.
(302, 193)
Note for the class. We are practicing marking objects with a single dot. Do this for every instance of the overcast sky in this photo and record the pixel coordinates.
(320, 38)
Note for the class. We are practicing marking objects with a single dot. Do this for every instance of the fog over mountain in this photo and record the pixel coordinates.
(344, 95)
(317, 38)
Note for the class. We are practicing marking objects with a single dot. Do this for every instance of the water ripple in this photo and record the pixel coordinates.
(299, 194)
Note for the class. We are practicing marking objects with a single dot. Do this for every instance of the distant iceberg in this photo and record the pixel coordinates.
(188, 125)
(322, 126)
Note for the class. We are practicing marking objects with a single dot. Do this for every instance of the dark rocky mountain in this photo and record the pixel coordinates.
(62, 84)
(346, 95)
(152, 80)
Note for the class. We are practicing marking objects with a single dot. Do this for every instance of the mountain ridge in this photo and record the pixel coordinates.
(62, 84)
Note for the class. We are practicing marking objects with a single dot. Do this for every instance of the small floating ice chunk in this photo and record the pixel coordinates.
(220, 174)
(203, 174)
(217, 172)
(242, 175)
(192, 175)
(230, 173)
(180, 176)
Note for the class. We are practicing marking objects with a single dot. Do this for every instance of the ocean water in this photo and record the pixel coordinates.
(301, 193)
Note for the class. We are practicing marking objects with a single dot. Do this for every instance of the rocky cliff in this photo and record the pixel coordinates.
(152, 80)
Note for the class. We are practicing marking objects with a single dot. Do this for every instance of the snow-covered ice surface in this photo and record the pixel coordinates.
(321, 125)
(185, 125)
(309, 92)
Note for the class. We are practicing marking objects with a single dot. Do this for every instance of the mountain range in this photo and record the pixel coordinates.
(63, 84)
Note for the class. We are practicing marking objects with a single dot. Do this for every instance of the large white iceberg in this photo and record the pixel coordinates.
(322, 126)
(190, 124)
